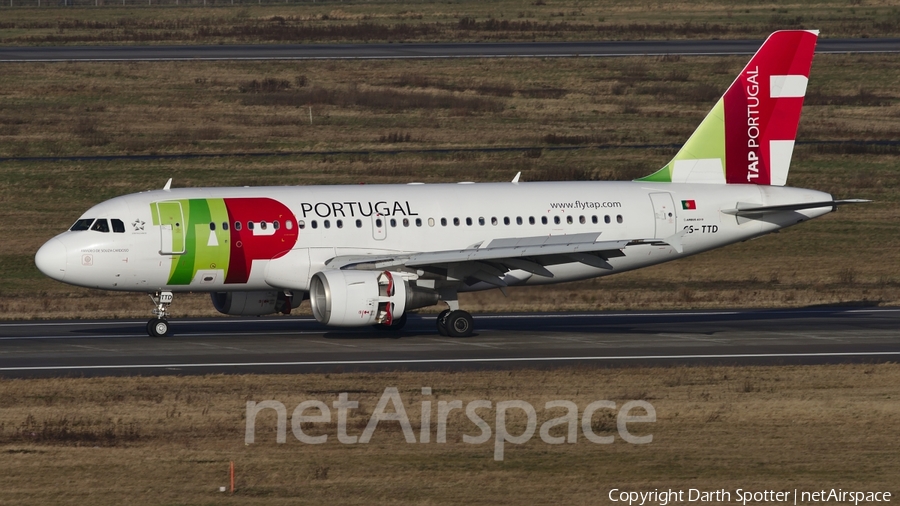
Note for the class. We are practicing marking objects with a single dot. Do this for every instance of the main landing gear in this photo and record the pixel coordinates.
(454, 322)
(159, 326)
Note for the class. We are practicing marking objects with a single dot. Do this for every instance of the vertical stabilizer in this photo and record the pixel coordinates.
(748, 136)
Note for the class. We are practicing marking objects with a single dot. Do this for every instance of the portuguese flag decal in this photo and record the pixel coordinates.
(688, 204)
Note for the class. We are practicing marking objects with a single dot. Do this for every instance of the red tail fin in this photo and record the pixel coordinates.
(748, 137)
(762, 109)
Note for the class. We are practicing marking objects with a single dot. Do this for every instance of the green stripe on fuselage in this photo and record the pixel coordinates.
(205, 249)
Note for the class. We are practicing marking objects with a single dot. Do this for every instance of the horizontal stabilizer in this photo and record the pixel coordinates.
(760, 210)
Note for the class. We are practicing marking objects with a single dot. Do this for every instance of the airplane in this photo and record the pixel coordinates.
(368, 254)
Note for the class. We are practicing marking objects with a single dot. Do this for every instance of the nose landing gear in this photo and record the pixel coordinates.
(159, 326)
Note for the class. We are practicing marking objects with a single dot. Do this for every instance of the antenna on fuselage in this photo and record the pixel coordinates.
(168, 185)
(516, 179)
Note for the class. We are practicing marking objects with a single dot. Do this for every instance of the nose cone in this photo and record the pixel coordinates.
(51, 259)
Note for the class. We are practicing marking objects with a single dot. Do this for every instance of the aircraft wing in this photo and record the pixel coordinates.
(489, 262)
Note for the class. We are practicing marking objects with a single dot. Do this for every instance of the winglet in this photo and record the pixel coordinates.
(516, 179)
(168, 185)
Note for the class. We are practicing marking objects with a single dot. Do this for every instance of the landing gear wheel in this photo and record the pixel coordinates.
(158, 327)
(395, 325)
(442, 322)
(460, 324)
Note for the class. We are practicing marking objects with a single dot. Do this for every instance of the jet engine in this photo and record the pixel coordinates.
(359, 298)
(255, 303)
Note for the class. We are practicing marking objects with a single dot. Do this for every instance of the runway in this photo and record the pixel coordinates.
(300, 345)
(421, 51)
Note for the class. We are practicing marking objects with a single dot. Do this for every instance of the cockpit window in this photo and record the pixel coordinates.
(118, 226)
(82, 224)
(101, 225)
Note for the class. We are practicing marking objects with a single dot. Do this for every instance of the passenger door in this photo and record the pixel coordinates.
(171, 226)
(664, 214)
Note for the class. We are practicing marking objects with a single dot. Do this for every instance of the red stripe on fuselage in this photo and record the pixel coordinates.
(247, 246)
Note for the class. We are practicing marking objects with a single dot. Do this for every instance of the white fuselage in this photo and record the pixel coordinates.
(197, 247)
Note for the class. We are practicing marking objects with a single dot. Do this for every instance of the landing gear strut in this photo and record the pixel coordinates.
(454, 322)
(159, 326)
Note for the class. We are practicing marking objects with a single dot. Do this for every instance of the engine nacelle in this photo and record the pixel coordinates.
(255, 303)
(359, 298)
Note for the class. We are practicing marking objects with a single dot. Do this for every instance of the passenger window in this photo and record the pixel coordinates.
(300, 224)
(531, 220)
(405, 222)
(358, 223)
(313, 224)
(543, 220)
(289, 225)
(250, 225)
(606, 219)
(619, 219)
(82, 225)
(340, 223)
(430, 222)
(481, 221)
(594, 219)
(118, 226)
(419, 222)
(263, 225)
(101, 225)
(237, 225)
(469, 221)
(494, 220)
(456, 221)
(327, 223)
(393, 222)
(569, 219)
(378, 223)
(276, 225)
(224, 225)
(582, 220)
(556, 220)
(443, 222)
(506, 220)
(518, 220)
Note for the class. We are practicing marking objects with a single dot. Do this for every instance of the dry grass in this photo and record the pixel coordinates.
(464, 20)
(533, 106)
(164, 440)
